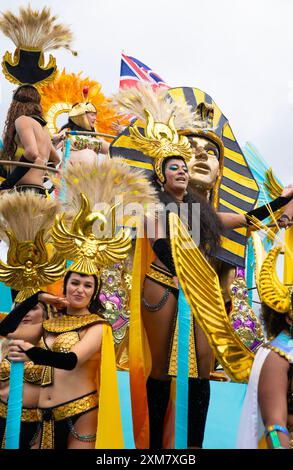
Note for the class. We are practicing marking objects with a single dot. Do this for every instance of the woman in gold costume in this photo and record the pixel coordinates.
(73, 343)
(68, 395)
(30, 329)
(169, 154)
(270, 387)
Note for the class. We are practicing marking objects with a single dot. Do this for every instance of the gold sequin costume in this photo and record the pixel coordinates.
(59, 420)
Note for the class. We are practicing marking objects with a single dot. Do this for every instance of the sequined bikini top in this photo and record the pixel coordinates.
(68, 327)
(32, 373)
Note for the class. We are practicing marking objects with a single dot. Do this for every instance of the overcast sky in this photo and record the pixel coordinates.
(238, 51)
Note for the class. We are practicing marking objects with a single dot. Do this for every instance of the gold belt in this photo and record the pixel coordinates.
(48, 415)
(161, 276)
(28, 415)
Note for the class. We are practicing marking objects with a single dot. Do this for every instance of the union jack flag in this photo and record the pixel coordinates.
(133, 71)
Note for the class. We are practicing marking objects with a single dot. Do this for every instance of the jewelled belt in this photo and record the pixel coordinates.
(28, 415)
(48, 415)
(161, 276)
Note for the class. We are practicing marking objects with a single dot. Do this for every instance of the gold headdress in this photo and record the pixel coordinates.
(161, 120)
(60, 96)
(33, 32)
(77, 114)
(161, 141)
(26, 221)
(272, 292)
(79, 244)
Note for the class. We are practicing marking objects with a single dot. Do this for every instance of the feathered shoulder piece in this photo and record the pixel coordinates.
(108, 182)
(26, 219)
(33, 32)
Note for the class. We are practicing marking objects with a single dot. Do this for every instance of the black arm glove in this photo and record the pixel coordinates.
(15, 175)
(11, 321)
(59, 360)
(163, 251)
(262, 212)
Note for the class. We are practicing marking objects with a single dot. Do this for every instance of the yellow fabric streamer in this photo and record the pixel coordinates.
(139, 354)
(109, 432)
(288, 258)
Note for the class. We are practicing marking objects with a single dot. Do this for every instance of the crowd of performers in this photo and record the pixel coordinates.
(95, 290)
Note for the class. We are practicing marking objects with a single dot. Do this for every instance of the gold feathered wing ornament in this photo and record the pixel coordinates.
(25, 224)
(201, 287)
(80, 245)
(28, 267)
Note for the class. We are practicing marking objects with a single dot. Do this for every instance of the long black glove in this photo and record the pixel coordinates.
(11, 321)
(59, 360)
(263, 212)
(15, 175)
(163, 251)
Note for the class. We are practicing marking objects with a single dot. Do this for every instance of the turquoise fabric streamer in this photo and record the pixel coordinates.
(181, 416)
(62, 193)
(125, 406)
(14, 408)
(250, 270)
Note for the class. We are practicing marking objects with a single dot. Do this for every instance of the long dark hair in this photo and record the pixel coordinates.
(210, 225)
(94, 302)
(26, 101)
(274, 322)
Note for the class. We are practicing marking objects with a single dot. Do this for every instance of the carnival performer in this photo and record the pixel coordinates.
(90, 116)
(30, 329)
(270, 387)
(72, 343)
(25, 223)
(82, 117)
(79, 331)
(170, 154)
(25, 138)
(269, 393)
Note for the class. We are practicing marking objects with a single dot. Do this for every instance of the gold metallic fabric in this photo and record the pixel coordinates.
(28, 415)
(70, 323)
(271, 290)
(202, 289)
(192, 360)
(32, 373)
